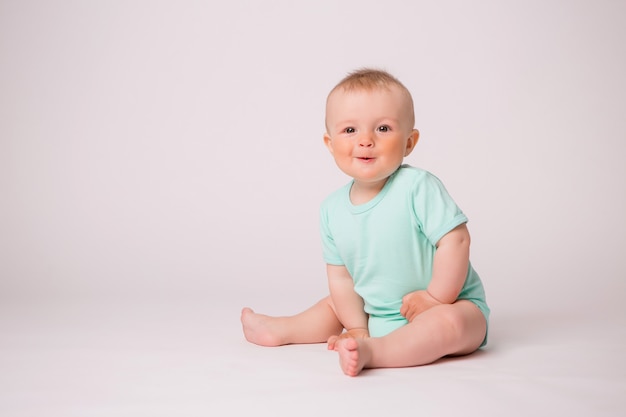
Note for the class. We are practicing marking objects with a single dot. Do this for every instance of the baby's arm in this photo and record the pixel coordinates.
(450, 265)
(449, 273)
(348, 304)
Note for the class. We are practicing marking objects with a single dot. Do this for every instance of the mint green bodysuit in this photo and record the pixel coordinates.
(388, 243)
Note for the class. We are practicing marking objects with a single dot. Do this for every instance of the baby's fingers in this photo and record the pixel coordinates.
(404, 308)
(331, 342)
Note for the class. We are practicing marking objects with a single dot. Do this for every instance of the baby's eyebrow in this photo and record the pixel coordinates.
(344, 124)
(389, 120)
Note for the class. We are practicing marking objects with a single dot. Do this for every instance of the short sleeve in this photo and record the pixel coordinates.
(329, 249)
(436, 213)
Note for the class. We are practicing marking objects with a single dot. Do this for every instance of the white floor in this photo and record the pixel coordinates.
(188, 358)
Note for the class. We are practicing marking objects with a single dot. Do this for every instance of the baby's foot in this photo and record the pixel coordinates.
(353, 355)
(259, 328)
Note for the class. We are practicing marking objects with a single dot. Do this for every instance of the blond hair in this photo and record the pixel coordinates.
(369, 79)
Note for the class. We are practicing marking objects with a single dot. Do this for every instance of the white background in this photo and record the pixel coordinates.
(165, 157)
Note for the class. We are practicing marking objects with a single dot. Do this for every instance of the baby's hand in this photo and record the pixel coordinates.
(415, 303)
(353, 334)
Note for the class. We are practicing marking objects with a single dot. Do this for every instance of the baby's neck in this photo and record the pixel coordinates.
(361, 193)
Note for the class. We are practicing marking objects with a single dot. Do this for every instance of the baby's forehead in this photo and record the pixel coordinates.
(402, 101)
(340, 94)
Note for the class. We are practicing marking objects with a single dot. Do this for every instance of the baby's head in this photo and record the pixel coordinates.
(368, 80)
(370, 126)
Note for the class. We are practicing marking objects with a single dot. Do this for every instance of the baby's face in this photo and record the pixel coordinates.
(369, 132)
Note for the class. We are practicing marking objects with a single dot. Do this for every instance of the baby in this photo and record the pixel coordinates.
(402, 289)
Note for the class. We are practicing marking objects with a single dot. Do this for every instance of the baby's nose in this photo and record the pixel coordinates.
(366, 140)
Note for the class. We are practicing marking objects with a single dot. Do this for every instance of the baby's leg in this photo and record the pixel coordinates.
(451, 329)
(314, 325)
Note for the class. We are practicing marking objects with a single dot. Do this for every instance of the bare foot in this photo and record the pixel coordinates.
(353, 354)
(259, 328)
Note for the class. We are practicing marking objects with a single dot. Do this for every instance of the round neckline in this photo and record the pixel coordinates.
(361, 208)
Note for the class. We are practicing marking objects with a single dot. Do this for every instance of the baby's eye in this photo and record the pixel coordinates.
(349, 130)
(383, 128)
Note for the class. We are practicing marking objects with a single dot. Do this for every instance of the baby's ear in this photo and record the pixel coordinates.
(411, 142)
(328, 142)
